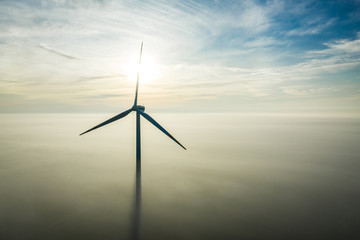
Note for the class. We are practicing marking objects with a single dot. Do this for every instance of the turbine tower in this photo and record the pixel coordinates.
(140, 111)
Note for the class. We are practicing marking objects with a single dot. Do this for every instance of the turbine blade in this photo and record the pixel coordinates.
(137, 78)
(117, 117)
(150, 119)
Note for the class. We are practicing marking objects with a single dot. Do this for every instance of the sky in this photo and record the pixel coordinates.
(202, 56)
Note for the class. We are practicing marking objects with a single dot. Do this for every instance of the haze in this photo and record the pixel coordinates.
(243, 176)
(264, 95)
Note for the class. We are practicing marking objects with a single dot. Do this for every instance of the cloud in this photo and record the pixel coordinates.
(95, 78)
(338, 56)
(264, 42)
(109, 95)
(77, 51)
(312, 28)
(254, 18)
(246, 17)
(308, 90)
(58, 52)
(257, 92)
(343, 46)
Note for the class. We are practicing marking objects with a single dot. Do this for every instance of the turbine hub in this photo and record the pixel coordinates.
(142, 108)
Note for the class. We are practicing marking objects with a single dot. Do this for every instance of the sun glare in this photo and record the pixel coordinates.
(148, 69)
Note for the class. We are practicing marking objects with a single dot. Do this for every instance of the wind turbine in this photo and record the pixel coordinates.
(140, 110)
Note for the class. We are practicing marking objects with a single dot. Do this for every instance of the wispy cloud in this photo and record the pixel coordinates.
(58, 52)
(265, 42)
(308, 90)
(312, 27)
(342, 46)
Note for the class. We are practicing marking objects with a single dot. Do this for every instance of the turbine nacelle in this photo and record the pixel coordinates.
(139, 107)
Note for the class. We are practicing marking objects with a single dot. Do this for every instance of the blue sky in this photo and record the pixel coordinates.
(241, 56)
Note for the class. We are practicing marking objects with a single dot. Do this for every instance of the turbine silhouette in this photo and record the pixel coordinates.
(140, 110)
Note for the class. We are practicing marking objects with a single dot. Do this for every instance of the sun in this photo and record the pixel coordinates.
(148, 69)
